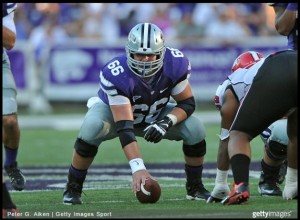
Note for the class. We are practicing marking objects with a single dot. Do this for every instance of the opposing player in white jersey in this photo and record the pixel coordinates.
(271, 96)
(227, 99)
(133, 100)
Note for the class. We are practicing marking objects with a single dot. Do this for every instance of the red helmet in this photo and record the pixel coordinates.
(246, 60)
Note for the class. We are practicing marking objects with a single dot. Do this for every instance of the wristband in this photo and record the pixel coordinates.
(292, 7)
(136, 164)
(173, 118)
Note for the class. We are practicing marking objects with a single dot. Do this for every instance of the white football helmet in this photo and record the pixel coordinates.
(246, 60)
(145, 38)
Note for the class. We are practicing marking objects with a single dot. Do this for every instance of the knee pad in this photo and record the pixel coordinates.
(196, 150)
(276, 151)
(278, 132)
(84, 149)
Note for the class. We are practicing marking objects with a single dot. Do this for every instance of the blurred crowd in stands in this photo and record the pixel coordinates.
(58, 22)
(43, 24)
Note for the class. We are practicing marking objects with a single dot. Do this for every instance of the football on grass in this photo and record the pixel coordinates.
(150, 192)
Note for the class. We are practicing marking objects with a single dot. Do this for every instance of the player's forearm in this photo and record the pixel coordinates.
(285, 22)
(132, 151)
(8, 38)
(179, 114)
(184, 109)
(134, 157)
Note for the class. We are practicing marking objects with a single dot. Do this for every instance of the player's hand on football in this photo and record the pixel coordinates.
(157, 130)
(139, 178)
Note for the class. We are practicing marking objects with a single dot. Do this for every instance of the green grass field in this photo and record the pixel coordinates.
(47, 148)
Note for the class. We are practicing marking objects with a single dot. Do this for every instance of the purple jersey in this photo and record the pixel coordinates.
(147, 99)
(293, 35)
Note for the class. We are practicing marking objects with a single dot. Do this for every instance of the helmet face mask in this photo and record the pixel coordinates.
(145, 39)
(246, 60)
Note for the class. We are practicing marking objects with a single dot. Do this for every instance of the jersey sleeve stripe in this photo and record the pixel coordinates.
(9, 7)
(107, 86)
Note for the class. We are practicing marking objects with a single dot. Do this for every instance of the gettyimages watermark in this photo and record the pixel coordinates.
(272, 214)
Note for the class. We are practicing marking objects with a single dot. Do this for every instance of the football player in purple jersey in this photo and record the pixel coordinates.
(11, 131)
(134, 100)
(274, 87)
(286, 17)
(274, 137)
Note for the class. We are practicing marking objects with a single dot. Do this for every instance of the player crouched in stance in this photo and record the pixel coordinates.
(134, 101)
(228, 97)
(274, 87)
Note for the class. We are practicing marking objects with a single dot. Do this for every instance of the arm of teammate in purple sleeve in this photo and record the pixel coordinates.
(292, 7)
(285, 18)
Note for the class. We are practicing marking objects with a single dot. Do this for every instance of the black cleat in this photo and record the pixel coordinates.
(268, 187)
(16, 177)
(71, 197)
(238, 195)
(72, 193)
(196, 191)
